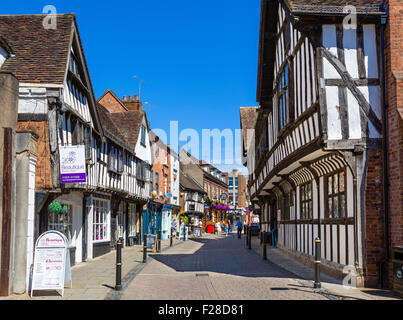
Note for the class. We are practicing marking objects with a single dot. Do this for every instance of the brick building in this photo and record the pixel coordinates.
(394, 114)
(206, 175)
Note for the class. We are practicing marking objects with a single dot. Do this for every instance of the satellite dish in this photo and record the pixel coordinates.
(168, 195)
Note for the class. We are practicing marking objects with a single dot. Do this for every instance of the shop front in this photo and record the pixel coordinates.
(65, 214)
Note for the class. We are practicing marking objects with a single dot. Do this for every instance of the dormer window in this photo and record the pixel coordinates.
(73, 66)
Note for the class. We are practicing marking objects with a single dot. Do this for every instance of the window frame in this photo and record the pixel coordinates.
(306, 201)
(339, 195)
(61, 226)
(105, 223)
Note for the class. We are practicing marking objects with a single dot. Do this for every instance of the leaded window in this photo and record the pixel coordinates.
(306, 201)
(284, 99)
(336, 195)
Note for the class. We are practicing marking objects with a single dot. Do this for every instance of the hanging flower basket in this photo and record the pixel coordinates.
(57, 207)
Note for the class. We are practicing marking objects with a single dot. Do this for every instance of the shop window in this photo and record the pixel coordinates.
(62, 222)
(306, 201)
(100, 221)
(336, 195)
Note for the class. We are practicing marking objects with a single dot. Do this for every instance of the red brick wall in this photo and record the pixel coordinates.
(164, 171)
(394, 81)
(110, 103)
(43, 177)
(374, 215)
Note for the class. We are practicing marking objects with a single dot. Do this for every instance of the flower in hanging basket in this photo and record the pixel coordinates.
(55, 207)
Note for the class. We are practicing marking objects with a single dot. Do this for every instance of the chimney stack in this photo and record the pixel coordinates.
(133, 105)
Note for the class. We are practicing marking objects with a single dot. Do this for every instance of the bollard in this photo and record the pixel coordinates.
(145, 248)
(264, 246)
(118, 286)
(170, 241)
(317, 262)
(250, 238)
(159, 241)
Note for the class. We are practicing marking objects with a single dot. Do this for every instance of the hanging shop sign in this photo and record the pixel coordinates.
(51, 262)
(72, 164)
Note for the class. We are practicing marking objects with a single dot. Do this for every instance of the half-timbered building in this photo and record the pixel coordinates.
(318, 157)
(56, 102)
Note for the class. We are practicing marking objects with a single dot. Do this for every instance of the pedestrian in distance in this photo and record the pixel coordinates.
(239, 228)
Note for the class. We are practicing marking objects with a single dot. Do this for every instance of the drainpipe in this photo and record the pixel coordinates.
(384, 264)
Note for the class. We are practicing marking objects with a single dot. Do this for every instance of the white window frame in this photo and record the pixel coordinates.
(106, 219)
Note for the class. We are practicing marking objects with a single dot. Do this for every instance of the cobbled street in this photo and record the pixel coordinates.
(215, 267)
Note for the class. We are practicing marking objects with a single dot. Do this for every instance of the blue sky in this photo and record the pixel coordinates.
(198, 58)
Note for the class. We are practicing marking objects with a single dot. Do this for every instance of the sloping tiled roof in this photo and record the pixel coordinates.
(188, 183)
(107, 123)
(129, 124)
(40, 54)
(334, 6)
(248, 121)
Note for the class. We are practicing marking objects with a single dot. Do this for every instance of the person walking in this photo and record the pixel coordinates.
(239, 228)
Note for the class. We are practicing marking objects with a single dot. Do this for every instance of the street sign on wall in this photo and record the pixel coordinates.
(51, 262)
(72, 164)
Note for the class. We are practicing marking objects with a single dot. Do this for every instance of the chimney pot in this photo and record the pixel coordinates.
(124, 98)
(130, 98)
(136, 97)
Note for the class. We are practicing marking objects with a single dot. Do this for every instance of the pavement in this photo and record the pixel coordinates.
(96, 278)
(331, 287)
(213, 267)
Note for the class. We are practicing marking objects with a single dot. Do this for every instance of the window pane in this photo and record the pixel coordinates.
(335, 183)
(342, 205)
(341, 182)
(330, 208)
(330, 188)
(336, 207)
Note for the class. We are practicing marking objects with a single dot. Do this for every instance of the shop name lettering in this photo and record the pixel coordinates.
(175, 311)
(53, 240)
(72, 167)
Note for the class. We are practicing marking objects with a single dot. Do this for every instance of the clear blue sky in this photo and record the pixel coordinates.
(198, 58)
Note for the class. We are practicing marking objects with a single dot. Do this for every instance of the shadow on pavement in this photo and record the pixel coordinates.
(226, 255)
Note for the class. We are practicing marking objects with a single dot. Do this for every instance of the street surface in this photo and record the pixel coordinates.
(215, 268)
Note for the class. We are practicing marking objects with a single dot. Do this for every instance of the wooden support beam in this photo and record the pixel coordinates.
(7, 211)
(349, 82)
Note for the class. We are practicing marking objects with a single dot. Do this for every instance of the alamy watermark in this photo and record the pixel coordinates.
(50, 20)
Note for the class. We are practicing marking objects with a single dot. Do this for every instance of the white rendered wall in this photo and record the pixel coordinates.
(32, 100)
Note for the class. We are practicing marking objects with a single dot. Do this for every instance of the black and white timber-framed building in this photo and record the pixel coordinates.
(318, 135)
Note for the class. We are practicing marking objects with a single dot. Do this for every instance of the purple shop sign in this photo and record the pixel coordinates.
(73, 178)
(72, 164)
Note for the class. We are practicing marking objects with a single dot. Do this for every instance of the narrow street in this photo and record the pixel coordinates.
(215, 268)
